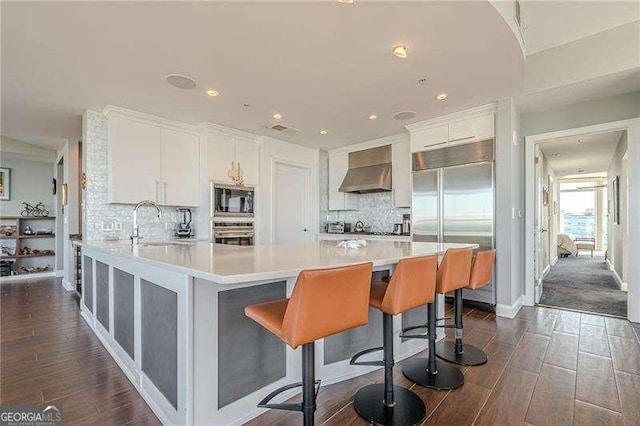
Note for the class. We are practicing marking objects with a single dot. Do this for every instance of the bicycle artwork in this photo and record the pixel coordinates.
(36, 211)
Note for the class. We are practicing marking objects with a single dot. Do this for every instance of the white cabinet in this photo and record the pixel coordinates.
(149, 161)
(225, 149)
(423, 139)
(401, 173)
(180, 168)
(338, 167)
(474, 129)
(456, 132)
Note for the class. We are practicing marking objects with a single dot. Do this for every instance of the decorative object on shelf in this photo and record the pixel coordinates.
(8, 231)
(8, 248)
(28, 231)
(6, 268)
(83, 181)
(5, 184)
(236, 174)
(35, 269)
(44, 231)
(65, 194)
(36, 211)
(54, 182)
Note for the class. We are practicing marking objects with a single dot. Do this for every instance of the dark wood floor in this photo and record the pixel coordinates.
(545, 367)
(49, 355)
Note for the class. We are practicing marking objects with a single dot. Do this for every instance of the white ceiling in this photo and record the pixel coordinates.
(553, 23)
(592, 152)
(322, 65)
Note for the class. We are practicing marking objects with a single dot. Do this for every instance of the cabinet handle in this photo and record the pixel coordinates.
(462, 139)
(164, 192)
(157, 191)
(436, 144)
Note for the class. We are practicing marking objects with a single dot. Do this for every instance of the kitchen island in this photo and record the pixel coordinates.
(172, 316)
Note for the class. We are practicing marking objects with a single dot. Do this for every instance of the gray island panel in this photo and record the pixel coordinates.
(87, 283)
(123, 310)
(249, 356)
(102, 294)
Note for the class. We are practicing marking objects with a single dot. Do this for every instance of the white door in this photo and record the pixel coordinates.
(291, 204)
(538, 227)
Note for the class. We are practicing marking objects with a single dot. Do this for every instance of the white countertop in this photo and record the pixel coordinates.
(227, 264)
(362, 236)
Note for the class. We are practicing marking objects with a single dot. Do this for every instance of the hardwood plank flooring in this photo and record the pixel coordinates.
(546, 366)
(49, 355)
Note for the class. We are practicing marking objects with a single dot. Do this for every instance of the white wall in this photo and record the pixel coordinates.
(509, 208)
(604, 110)
(618, 233)
(276, 150)
(31, 181)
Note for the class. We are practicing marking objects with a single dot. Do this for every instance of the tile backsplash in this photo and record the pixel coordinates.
(114, 221)
(375, 210)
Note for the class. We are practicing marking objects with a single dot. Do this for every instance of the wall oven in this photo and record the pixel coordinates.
(234, 233)
(232, 201)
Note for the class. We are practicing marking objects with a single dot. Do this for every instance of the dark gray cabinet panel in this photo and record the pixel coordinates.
(249, 356)
(87, 283)
(123, 310)
(160, 338)
(346, 344)
(102, 294)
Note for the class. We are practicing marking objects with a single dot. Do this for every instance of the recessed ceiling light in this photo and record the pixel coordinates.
(212, 93)
(323, 132)
(181, 81)
(277, 116)
(441, 96)
(580, 170)
(345, 1)
(579, 140)
(400, 51)
(373, 117)
(555, 155)
(404, 115)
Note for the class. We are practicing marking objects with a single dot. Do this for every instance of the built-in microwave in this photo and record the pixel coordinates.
(230, 200)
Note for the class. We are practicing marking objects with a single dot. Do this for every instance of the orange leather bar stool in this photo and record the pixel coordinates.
(453, 274)
(323, 302)
(457, 352)
(412, 284)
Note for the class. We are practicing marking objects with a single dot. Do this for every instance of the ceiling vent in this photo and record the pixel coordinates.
(281, 128)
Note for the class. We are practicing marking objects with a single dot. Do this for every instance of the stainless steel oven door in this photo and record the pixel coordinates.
(233, 238)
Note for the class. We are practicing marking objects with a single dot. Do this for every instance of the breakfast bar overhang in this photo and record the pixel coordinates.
(172, 316)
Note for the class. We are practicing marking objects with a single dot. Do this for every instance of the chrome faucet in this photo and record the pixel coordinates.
(135, 235)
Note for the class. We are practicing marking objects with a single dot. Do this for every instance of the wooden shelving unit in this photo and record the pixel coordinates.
(19, 237)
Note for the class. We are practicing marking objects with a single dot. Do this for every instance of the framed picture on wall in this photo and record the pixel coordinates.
(5, 184)
(615, 199)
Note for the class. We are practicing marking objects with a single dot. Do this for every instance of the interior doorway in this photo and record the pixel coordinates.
(581, 222)
(292, 203)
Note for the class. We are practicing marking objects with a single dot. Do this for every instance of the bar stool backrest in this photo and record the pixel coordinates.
(482, 268)
(412, 284)
(327, 301)
(454, 270)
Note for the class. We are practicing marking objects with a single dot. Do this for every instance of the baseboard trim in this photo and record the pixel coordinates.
(555, 260)
(67, 285)
(546, 271)
(59, 273)
(25, 277)
(621, 284)
(510, 311)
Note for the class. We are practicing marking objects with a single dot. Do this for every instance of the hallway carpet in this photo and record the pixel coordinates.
(583, 283)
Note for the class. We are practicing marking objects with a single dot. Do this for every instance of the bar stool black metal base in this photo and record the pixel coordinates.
(470, 355)
(447, 376)
(407, 410)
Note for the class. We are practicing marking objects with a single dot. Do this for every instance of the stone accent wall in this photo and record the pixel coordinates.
(104, 221)
(375, 210)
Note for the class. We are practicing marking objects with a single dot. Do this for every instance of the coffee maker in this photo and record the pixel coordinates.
(183, 228)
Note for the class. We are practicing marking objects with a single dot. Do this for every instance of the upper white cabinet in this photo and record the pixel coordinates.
(474, 129)
(401, 173)
(338, 167)
(227, 149)
(422, 139)
(438, 135)
(151, 160)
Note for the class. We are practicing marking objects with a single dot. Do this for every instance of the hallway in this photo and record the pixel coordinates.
(584, 283)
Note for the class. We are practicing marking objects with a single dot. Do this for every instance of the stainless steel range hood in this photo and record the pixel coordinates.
(369, 171)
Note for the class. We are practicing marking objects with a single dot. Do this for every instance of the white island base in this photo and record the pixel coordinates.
(172, 316)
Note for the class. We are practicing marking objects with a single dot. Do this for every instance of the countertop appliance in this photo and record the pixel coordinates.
(231, 201)
(453, 200)
(338, 227)
(234, 233)
(406, 223)
(183, 228)
(369, 171)
(359, 227)
(397, 229)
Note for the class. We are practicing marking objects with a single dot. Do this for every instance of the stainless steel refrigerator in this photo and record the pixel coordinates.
(453, 200)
